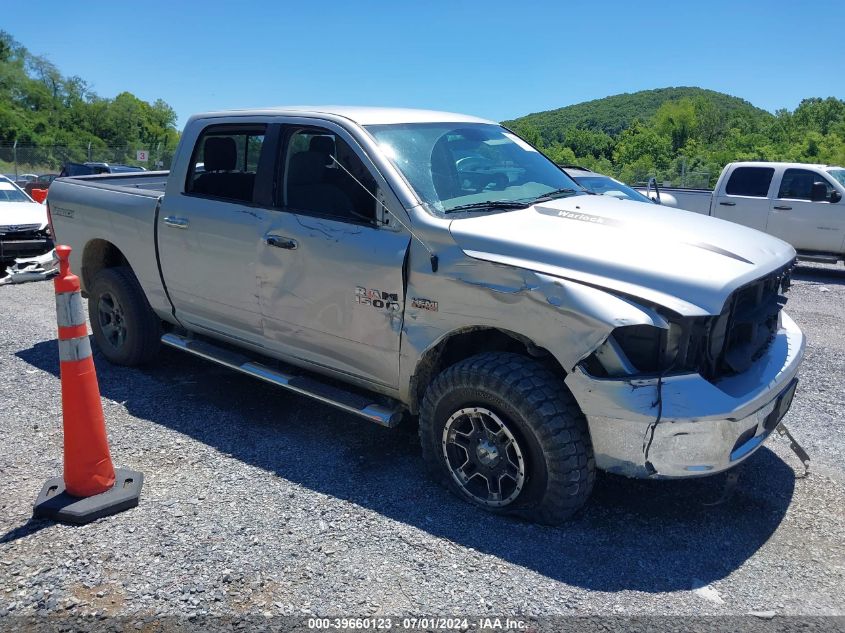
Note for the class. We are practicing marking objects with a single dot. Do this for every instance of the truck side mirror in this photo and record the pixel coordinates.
(819, 192)
(835, 196)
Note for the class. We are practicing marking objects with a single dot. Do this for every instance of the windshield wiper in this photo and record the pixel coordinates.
(489, 204)
(555, 193)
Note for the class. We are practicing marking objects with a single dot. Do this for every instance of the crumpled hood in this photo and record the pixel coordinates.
(684, 261)
(13, 214)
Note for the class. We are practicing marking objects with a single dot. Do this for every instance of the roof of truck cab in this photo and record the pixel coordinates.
(773, 163)
(359, 114)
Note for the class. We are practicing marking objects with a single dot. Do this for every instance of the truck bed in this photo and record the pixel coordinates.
(117, 209)
(697, 200)
(153, 181)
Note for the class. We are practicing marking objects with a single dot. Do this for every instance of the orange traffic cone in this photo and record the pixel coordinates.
(90, 488)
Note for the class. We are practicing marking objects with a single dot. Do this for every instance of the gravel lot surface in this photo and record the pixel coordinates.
(257, 501)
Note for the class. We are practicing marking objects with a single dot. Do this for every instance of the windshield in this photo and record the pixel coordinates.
(839, 174)
(452, 165)
(10, 193)
(607, 186)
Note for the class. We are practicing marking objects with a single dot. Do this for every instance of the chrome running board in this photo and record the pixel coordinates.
(301, 384)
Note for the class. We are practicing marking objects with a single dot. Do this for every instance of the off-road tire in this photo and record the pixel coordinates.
(539, 411)
(142, 327)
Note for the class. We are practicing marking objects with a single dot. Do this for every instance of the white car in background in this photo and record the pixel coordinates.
(24, 227)
(603, 185)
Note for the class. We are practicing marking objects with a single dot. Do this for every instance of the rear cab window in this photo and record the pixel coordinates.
(753, 182)
(225, 162)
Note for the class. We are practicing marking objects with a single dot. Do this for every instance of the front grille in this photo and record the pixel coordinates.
(747, 326)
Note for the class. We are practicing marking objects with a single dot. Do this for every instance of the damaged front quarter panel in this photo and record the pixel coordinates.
(568, 319)
(583, 317)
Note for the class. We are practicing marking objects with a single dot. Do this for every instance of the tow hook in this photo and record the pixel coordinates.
(733, 475)
(796, 448)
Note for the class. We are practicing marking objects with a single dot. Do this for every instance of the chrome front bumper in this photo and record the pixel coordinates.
(704, 428)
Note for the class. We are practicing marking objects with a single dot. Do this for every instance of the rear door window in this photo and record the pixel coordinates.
(750, 181)
(225, 162)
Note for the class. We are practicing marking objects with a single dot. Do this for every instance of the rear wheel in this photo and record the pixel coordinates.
(504, 433)
(126, 329)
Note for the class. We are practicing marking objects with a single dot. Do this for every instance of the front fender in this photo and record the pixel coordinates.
(566, 318)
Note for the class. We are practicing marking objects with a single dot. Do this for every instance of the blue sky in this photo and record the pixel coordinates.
(494, 59)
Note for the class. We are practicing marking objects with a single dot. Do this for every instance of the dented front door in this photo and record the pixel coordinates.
(331, 293)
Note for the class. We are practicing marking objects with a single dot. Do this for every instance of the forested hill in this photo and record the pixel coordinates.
(42, 108)
(614, 114)
(684, 135)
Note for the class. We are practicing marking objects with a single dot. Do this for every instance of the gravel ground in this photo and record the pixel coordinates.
(257, 501)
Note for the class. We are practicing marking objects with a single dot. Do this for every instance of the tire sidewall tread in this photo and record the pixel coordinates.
(143, 326)
(539, 409)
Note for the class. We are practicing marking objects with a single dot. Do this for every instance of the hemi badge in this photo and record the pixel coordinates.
(424, 304)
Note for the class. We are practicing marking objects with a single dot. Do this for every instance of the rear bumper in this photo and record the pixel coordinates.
(705, 428)
(11, 248)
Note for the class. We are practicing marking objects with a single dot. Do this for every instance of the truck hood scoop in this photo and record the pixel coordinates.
(682, 260)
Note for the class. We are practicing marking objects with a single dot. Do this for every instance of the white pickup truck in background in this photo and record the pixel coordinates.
(801, 204)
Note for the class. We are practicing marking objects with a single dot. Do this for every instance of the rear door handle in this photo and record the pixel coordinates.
(782, 208)
(279, 241)
(728, 204)
(176, 223)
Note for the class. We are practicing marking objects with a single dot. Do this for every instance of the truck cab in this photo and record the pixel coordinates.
(801, 204)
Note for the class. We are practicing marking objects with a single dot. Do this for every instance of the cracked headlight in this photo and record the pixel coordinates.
(645, 350)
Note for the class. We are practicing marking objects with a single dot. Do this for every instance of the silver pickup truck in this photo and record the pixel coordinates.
(393, 262)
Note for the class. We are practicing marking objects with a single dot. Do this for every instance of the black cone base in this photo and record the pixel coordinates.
(56, 504)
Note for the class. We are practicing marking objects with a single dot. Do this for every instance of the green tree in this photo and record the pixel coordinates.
(678, 121)
(41, 107)
(641, 145)
(530, 133)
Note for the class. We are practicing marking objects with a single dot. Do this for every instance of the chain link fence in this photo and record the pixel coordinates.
(678, 175)
(19, 160)
(687, 180)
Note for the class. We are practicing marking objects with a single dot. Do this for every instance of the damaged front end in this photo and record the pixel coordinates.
(692, 395)
(712, 346)
(24, 241)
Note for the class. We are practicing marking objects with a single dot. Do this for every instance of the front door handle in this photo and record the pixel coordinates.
(279, 241)
(176, 223)
(728, 204)
(782, 208)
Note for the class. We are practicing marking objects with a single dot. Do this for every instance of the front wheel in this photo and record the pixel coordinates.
(504, 433)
